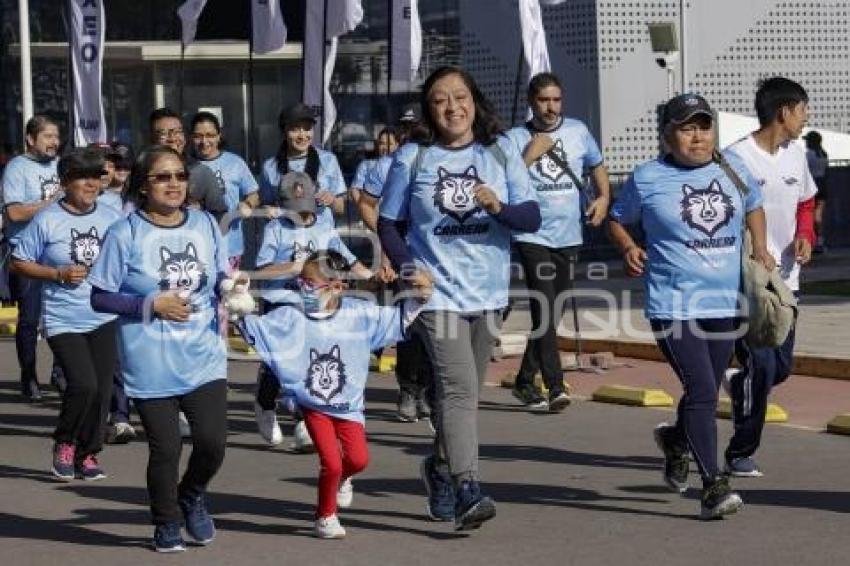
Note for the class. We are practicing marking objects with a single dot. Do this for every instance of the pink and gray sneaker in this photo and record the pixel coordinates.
(63, 460)
(89, 469)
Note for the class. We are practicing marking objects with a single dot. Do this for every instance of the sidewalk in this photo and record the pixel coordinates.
(611, 317)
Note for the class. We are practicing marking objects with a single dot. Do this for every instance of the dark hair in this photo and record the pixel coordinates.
(125, 155)
(542, 80)
(331, 263)
(38, 124)
(141, 169)
(774, 94)
(486, 126)
(206, 117)
(813, 142)
(80, 163)
(159, 114)
(388, 131)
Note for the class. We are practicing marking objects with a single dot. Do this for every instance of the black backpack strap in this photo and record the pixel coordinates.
(311, 168)
(742, 187)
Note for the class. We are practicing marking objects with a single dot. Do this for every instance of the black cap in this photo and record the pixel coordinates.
(123, 155)
(682, 108)
(297, 192)
(409, 115)
(298, 112)
(81, 163)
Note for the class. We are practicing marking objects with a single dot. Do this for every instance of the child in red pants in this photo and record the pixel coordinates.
(319, 351)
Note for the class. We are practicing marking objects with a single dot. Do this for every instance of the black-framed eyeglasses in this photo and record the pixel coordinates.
(166, 177)
(165, 134)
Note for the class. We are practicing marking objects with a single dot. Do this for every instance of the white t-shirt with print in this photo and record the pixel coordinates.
(785, 182)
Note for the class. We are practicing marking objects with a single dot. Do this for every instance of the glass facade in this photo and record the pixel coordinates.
(142, 70)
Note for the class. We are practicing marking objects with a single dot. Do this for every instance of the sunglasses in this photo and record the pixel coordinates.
(167, 177)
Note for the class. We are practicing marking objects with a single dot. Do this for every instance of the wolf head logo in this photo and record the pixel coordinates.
(220, 179)
(49, 187)
(326, 374)
(181, 270)
(302, 252)
(547, 165)
(707, 210)
(454, 193)
(85, 246)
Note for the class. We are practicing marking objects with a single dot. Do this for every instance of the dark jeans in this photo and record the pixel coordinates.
(699, 357)
(26, 293)
(206, 410)
(413, 367)
(87, 359)
(119, 406)
(761, 369)
(548, 272)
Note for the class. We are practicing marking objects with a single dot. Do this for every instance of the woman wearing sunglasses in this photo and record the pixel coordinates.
(59, 247)
(159, 271)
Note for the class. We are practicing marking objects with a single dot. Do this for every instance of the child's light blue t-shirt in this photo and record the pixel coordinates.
(161, 358)
(324, 362)
(57, 237)
(559, 198)
(360, 173)
(329, 179)
(377, 176)
(692, 219)
(465, 248)
(26, 181)
(237, 182)
(285, 242)
(112, 199)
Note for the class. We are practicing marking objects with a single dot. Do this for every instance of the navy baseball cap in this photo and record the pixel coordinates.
(682, 108)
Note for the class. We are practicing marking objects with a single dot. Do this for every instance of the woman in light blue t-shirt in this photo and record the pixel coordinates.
(692, 214)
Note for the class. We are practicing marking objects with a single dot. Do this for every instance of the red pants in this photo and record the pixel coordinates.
(342, 450)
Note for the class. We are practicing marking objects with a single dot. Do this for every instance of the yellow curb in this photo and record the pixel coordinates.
(387, 364)
(9, 313)
(8, 329)
(775, 413)
(635, 396)
(839, 425)
(804, 364)
(237, 344)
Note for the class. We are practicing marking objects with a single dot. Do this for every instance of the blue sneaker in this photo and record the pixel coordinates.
(438, 486)
(471, 508)
(63, 460)
(199, 524)
(167, 538)
(744, 467)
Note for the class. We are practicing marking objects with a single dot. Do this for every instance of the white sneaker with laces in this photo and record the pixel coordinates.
(328, 528)
(185, 429)
(267, 425)
(301, 438)
(345, 494)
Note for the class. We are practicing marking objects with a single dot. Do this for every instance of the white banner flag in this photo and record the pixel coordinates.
(324, 21)
(269, 31)
(406, 35)
(533, 37)
(189, 13)
(87, 26)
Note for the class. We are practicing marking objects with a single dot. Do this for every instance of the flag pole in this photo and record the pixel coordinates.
(26, 60)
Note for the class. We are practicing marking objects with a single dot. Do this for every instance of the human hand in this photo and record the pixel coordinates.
(539, 144)
(173, 306)
(802, 251)
(635, 260)
(487, 199)
(73, 274)
(422, 283)
(325, 198)
(274, 212)
(597, 210)
(386, 273)
(763, 256)
(244, 209)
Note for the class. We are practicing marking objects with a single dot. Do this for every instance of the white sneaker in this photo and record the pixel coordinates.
(185, 429)
(727, 379)
(345, 494)
(301, 438)
(328, 527)
(267, 424)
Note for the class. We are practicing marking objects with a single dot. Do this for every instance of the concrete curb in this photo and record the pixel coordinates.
(632, 396)
(839, 425)
(804, 364)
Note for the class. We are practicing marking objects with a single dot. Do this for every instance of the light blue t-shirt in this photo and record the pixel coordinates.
(285, 242)
(329, 179)
(26, 181)
(360, 173)
(324, 362)
(112, 199)
(58, 237)
(692, 219)
(465, 248)
(237, 182)
(559, 198)
(377, 176)
(161, 358)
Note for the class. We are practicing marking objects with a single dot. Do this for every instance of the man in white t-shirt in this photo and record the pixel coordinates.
(779, 164)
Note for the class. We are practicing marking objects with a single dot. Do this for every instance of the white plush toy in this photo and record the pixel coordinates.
(237, 300)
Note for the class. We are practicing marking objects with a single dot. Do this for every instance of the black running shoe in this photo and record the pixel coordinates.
(676, 462)
(471, 508)
(718, 499)
(529, 396)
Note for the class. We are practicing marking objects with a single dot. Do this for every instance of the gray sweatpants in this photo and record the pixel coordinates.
(459, 346)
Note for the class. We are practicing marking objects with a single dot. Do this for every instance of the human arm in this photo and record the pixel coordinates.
(598, 209)
(757, 225)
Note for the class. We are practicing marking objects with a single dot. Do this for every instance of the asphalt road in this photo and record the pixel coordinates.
(578, 488)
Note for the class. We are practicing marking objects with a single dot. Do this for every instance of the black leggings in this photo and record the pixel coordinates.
(206, 411)
(88, 359)
(699, 356)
